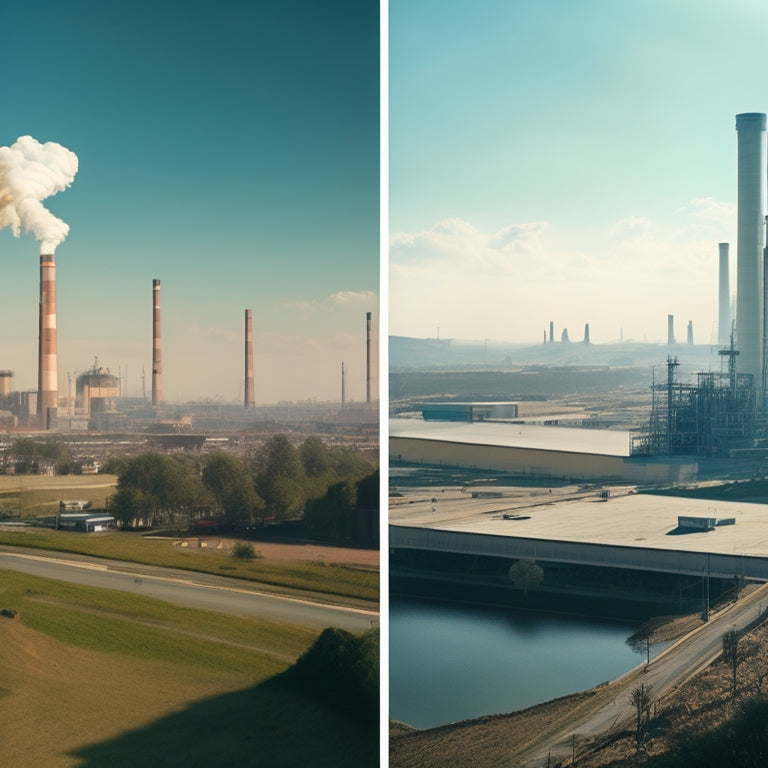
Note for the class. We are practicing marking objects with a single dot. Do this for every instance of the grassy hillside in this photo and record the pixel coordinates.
(93, 677)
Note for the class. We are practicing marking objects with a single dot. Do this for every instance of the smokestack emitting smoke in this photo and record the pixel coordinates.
(250, 398)
(157, 365)
(367, 357)
(48, 368)
(29, 173)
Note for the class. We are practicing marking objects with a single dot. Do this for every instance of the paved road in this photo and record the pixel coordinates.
(670, 668)
(189, 589)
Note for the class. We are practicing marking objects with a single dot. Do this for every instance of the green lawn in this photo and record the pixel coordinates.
(306, 576)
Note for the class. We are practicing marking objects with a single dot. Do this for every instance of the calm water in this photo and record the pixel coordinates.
(453, 662)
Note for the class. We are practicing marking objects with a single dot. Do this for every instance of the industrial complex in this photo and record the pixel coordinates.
(99, 404)
(487, 470)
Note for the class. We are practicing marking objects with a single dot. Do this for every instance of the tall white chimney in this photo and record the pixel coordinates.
(750, 129)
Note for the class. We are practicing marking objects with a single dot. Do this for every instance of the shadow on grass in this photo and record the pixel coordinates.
(267, 725)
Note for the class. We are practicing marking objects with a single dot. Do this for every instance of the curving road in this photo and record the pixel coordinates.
(669, 669)
(189, 589)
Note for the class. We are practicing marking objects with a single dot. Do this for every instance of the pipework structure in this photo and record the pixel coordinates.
(708, 418)
(157, 364)
(48, 367)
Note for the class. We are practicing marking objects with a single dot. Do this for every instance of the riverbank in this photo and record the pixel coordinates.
(701, 702)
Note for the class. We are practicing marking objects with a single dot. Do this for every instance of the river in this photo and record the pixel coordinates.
(451, 662)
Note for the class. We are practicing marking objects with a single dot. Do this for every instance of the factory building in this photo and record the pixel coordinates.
(528, 451)
(467, 411)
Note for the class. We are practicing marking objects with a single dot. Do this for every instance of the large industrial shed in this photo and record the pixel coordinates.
(526, 450)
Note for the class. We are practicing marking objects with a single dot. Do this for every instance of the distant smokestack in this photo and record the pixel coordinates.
(250, 400)
(6, 383)
(48, 366)
(670, 329)
(751, 201)
(724, 298)
(367, 357)
(690, 332)
(157, 365)
(586, 333)
(551, 331)
(343, 392)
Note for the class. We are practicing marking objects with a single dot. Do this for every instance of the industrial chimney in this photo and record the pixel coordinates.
(250, 401)
(157, 365)
(367, 357)
(670, 329)
(690, 333)
(343, 391)
(750, 129)
(724, 298)
(48, 367)
(551, 331)
(586, 333)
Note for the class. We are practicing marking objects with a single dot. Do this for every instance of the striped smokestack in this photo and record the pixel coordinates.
(250, 400)
(157, 365)
(48, 366)
(367, 357)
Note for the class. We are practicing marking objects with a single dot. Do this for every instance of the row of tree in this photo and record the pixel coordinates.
(276, 485)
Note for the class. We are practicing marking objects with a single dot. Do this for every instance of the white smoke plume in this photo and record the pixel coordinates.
(30, 172)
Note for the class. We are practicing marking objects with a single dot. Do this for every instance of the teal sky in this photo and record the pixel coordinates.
(565, 161)
(229, 149)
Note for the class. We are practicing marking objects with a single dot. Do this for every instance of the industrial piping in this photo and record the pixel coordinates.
(157, 365)
(48, 367)
(250, 400)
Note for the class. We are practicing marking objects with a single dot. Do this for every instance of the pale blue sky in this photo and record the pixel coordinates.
(565, 161)
(231, 150)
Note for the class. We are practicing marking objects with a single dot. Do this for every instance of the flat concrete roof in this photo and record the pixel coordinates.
(575, 515)
(604, 442)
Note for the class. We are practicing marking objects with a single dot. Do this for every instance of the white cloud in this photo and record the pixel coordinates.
(509, 283)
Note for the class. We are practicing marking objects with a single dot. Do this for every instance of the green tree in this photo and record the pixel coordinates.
(329, 516)
(526, 574)
(314, 457)
(152, 488)
(280, 480)
(230, 483)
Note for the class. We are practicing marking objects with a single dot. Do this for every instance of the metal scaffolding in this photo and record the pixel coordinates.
(708, 418)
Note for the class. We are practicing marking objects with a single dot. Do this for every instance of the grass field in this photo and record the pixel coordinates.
(33, 495)
(93, 677)
(312, 577)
